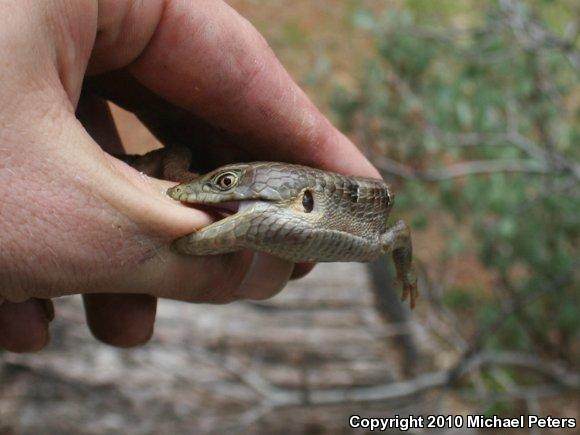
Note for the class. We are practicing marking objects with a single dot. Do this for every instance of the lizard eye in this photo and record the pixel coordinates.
(226, 181)
(308, 201)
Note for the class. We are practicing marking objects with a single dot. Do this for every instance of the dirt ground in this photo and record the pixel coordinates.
(196, 376)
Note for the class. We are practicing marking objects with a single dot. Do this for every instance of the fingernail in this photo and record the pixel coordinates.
(266, 277)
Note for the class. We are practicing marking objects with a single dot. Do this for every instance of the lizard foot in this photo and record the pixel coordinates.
(408, 280)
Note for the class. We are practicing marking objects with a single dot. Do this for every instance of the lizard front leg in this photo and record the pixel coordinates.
(221, 237)
(397, 240)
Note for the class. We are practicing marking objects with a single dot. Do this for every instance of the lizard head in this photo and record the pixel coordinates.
(238, 184)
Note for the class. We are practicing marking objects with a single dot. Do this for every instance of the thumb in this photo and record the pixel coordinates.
(84, 222)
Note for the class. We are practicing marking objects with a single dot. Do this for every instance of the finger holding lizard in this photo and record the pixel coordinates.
(81, 221)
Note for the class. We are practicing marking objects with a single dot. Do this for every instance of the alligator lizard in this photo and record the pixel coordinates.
(297, 213)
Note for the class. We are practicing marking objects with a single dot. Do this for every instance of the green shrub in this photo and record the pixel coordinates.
(485, 115)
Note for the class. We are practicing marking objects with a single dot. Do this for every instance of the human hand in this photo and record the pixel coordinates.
(76, 220)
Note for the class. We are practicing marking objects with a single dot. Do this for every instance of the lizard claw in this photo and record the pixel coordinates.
(409, 284)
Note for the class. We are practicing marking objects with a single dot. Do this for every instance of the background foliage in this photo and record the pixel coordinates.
(475, 106)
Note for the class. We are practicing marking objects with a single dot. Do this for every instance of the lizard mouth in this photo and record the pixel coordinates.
(217, 211)
(221, 210)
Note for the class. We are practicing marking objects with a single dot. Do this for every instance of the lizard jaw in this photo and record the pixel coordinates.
(221, 210)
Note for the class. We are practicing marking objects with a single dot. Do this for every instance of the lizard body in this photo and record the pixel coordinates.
(297, 213)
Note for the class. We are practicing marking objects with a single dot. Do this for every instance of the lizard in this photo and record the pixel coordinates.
(294, 212)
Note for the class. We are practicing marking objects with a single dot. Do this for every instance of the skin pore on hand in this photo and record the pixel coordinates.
(76, 220)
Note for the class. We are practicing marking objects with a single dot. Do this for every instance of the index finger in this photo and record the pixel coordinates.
(204, 57)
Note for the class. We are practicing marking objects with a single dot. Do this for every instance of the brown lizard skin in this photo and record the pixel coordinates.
(300, 214)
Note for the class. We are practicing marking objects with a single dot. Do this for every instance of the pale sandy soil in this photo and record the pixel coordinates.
(321, 332)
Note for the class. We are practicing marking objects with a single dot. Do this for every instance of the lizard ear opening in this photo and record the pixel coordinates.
(307, 201)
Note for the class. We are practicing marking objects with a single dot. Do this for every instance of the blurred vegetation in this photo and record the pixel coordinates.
(476, 105)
